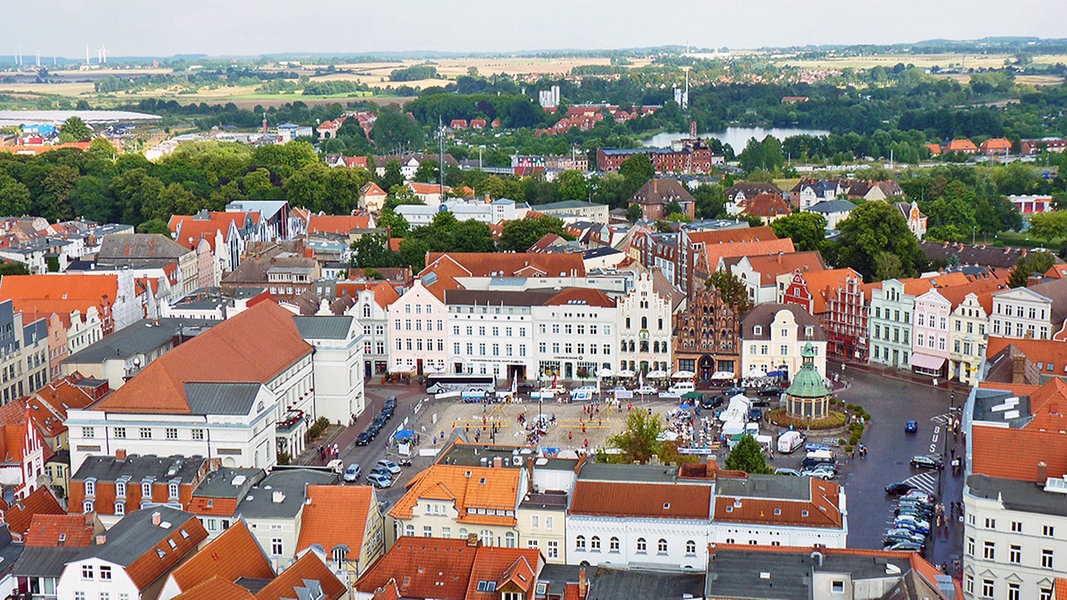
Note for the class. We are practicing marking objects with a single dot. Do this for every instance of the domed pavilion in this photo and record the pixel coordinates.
(807, 397)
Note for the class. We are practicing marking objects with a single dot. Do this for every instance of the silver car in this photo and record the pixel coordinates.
(390, 466)
(379, 481)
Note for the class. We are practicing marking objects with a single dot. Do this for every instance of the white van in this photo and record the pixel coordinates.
(789, 441)
(681, 388)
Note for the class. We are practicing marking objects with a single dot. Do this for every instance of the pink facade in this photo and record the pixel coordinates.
(930, 339)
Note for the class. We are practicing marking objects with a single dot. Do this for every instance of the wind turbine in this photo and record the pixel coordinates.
(103, 53)
(87, 54)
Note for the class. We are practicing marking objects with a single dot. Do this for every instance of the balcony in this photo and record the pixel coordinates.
(292, 420)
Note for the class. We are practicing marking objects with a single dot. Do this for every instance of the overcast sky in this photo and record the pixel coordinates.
(248, 27)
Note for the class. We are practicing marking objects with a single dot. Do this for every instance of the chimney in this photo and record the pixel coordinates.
(157, 518)
(472, 540)
(583, 584)
(1042, 472)
(498, 462)
(120, 454)
(780, 256)
(1018, 369)
(101, 539)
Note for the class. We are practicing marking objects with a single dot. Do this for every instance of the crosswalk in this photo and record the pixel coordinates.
(941, 419)
(926, 482)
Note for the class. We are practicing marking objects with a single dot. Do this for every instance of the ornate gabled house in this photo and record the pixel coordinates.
(707, 336)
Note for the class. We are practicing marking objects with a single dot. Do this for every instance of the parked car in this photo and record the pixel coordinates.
(905, 547)
(379, 481)
(787, 471)
(390, 402)
(755, 414)
(381, 471)
(905, 534)
(927, 461)
(647, 390)
(352, 472)
(825, 474)
(816, 447)
(906, 502)
(772, 391)
(710, 402)
(388, 412)
(336, 466)
(363, 438)
(917, 494)
(388, 465)
(734, 391)
(789, 441)
(912, 523)
(811, 463)
(911, 427)
(899, 488)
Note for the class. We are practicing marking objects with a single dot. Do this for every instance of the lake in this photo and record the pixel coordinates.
(737, 137)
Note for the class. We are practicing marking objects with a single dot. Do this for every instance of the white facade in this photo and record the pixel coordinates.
(787, 339)
(968, 337)
(664, 543)
(1021, 313)
(417, 332)
(491, 340)
(765, 534)
(573, 341)
(644, 328)
(1010, 553)
(338, 370)
(753, 280)
(374, 322)
(95, 578)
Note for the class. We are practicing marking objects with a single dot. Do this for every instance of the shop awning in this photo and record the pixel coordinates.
(927, 362)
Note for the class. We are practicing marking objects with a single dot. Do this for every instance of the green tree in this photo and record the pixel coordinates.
(806, 229)
(639, 442)
(711, 201)
(634, 213)
(572, 185)
(732, 291)
(393, 175)
(73, 130)
(399, 195)
(1035, 263)
(747, 456)
(396, 132)
(395, 224)
(372, 250)
(636, 170)
(14, 199)
(13, 268)
(872, 230)
(428, 172)
(1049, 226)
(520, 234)
(154, 226)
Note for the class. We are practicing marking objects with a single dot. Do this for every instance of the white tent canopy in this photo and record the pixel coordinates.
(684, 375)
(754, 372)
(722, 375)
(626, 373)
(657, 374)
(605, 373)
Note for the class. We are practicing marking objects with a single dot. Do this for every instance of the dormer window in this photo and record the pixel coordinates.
(90, 487)
(172, 490)
(757, 330)
(120, 489)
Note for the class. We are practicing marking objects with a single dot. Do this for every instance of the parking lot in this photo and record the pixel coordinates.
(890, 402)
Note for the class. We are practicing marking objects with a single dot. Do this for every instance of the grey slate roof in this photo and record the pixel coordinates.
(323, 328)
(9, 550)
(135, 535)
(220, 483)
(44, 561)
(611, 584)
(832, 206)
(35, 332)
(986, 399)
(980, 254)
(221, 398)
(139, 246)
(765, 486)
(1018, 495)
(737, 573)
(634, 473)
(141, 337)
(564, 205)
(137, 468)
(260, 504)
(763, 315)
(498, 297)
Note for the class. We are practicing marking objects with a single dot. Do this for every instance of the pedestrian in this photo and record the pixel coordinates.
(586, 443)
(570, 435)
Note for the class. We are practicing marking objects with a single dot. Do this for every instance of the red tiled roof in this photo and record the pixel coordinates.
(583, 296)
(996, 144)
(320, 525)
(339, 224)
(39, 502)
(823, 285)
(728, 236)
(216, 588)
(58, 293)
(426, 188)
(307, 567)
(232, 555)
(176, 547)
(195, 227)
(423, 568)
(513, 570)
(220, 507)
(821, 508)
(648, 500)
(372, 189)
(714, 252)
(962, 145)
(1041, 440)
(46, 530)
(253, 346)
(509, 264)
(770, 266)
(1049, 352)
(484, 488)
(767, 205)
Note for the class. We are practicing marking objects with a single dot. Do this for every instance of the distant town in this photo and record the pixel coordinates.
(660, 323)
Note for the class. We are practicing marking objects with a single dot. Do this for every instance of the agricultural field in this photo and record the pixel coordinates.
(923, 61)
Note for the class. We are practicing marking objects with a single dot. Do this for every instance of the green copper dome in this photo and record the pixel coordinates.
(808, 382)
